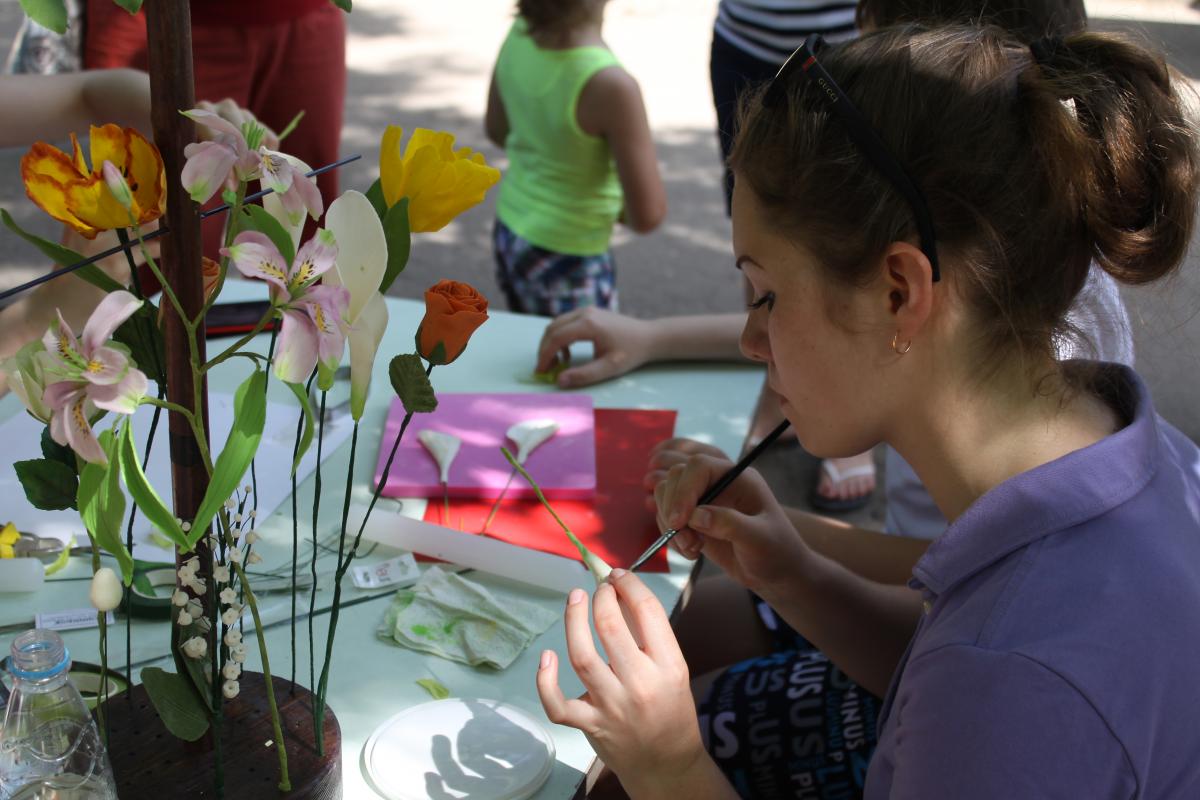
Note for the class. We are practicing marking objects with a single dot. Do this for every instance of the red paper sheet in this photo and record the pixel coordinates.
(615, 525)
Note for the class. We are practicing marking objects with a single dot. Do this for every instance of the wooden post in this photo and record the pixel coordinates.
(169, 34)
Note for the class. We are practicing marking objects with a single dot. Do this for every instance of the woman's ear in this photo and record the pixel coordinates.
(908, 280)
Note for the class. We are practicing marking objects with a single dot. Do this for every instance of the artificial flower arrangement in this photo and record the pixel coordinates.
(326, 294)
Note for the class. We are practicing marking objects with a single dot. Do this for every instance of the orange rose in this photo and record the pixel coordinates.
(453, 311)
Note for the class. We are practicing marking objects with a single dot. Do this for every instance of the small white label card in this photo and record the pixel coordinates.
(70, 619)
(401, 569)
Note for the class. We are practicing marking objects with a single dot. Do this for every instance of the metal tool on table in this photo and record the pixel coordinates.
(46, 549)
(714, 490)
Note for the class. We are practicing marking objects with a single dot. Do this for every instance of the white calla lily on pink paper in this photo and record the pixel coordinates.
(95, 374)
(361, 262)
(314, 316)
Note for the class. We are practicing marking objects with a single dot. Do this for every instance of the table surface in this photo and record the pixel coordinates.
(372, 680)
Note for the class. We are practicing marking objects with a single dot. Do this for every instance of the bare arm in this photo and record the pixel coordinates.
(51, 106)
(623, 343)
(611, 106)
(875, 556)
(495, 119)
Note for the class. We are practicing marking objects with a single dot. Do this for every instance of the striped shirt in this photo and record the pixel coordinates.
(770, 30)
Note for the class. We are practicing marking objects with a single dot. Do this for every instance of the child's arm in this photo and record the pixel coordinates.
(610, 105)
(495, 119)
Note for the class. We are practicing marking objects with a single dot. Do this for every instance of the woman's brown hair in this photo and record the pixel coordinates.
(1031, 168)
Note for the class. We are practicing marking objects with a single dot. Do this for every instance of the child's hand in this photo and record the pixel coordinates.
(621, 344)
(745, 530)
(638, 711)
(667, 454)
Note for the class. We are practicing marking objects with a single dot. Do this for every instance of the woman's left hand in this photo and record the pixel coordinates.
(638, 711)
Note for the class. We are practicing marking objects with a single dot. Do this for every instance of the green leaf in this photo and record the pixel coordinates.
(63, 256)
(102, 504)
(262, 221)
(50, 14)
(249, 416)
(344, 5)
(57, 452)
(412, 384)
(291, 126)
(307, 436)
(399, 242)
(147, 346)
(49, 484)
(177, 705)
(437, 690)
(143, 494)
(131, 6)
(375, 195)
(63, 557)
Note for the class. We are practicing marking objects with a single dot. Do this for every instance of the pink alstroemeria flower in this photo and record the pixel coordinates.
(228, 159)
(97, 374)
(314, 317)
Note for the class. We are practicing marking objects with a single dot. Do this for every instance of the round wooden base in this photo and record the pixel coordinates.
(149, 762)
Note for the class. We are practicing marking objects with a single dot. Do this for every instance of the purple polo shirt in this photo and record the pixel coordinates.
(1059, 652)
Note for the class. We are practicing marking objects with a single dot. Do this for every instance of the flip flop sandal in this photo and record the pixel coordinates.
(836, 476)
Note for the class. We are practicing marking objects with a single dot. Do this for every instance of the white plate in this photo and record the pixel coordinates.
(459, 748)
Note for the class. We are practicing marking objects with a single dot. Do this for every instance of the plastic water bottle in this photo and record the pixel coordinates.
(49, 746)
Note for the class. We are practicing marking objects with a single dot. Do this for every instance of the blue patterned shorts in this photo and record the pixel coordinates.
(540, 281)
(791, 724)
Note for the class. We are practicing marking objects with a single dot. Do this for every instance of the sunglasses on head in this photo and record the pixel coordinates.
(804, 59)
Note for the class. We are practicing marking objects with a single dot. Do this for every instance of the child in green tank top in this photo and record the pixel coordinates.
(580, 158)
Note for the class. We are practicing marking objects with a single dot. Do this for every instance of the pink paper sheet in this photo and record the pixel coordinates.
(564, 466)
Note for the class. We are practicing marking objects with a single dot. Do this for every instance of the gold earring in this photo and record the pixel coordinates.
(907, 345)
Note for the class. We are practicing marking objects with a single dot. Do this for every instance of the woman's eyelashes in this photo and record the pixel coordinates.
(766, 299)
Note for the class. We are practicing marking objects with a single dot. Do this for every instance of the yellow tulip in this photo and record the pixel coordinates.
(8, 537)
(439, 181)
(71, 192)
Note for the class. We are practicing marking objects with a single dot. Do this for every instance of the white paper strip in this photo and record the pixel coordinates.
(483, 553)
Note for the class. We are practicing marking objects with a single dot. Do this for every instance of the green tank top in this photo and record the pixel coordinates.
(561, 191)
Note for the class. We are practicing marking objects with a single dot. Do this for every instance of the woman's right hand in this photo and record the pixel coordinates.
(744, 530)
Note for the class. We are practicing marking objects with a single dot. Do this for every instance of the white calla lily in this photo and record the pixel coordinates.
(531, 433)
(361, 262)
(443, 447)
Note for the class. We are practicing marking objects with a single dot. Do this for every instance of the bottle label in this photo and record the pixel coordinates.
(401, 569)
(71, 619)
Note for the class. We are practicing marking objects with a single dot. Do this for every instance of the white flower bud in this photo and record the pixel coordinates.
(251, 537)
(246, 489)
(221, 573)
(237, 519)
(184, 618)
(180, 598)
(195, 584)
(230, 689)
(231, 671)
(232, 637)
(231, 615)
(254, 558)
(230, 505)
(234, 555)
(228, 596)
(185, 526)
(238, 653)
(253, 513)
(117, 185)
(106, 589)
(195, 647)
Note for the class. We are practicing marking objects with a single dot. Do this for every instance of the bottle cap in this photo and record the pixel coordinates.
(37, 655)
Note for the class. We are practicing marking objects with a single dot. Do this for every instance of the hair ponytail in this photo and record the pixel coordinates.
(1127, 153)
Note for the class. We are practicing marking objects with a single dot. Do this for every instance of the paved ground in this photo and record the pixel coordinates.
(427, 64)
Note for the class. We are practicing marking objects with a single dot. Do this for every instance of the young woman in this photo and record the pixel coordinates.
(916, 211)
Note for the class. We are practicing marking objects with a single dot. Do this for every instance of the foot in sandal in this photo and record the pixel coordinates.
(844, 484)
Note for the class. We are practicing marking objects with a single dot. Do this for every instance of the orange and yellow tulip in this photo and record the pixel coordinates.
(71, 192)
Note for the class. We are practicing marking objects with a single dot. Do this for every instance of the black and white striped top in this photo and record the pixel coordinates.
(770, 30)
